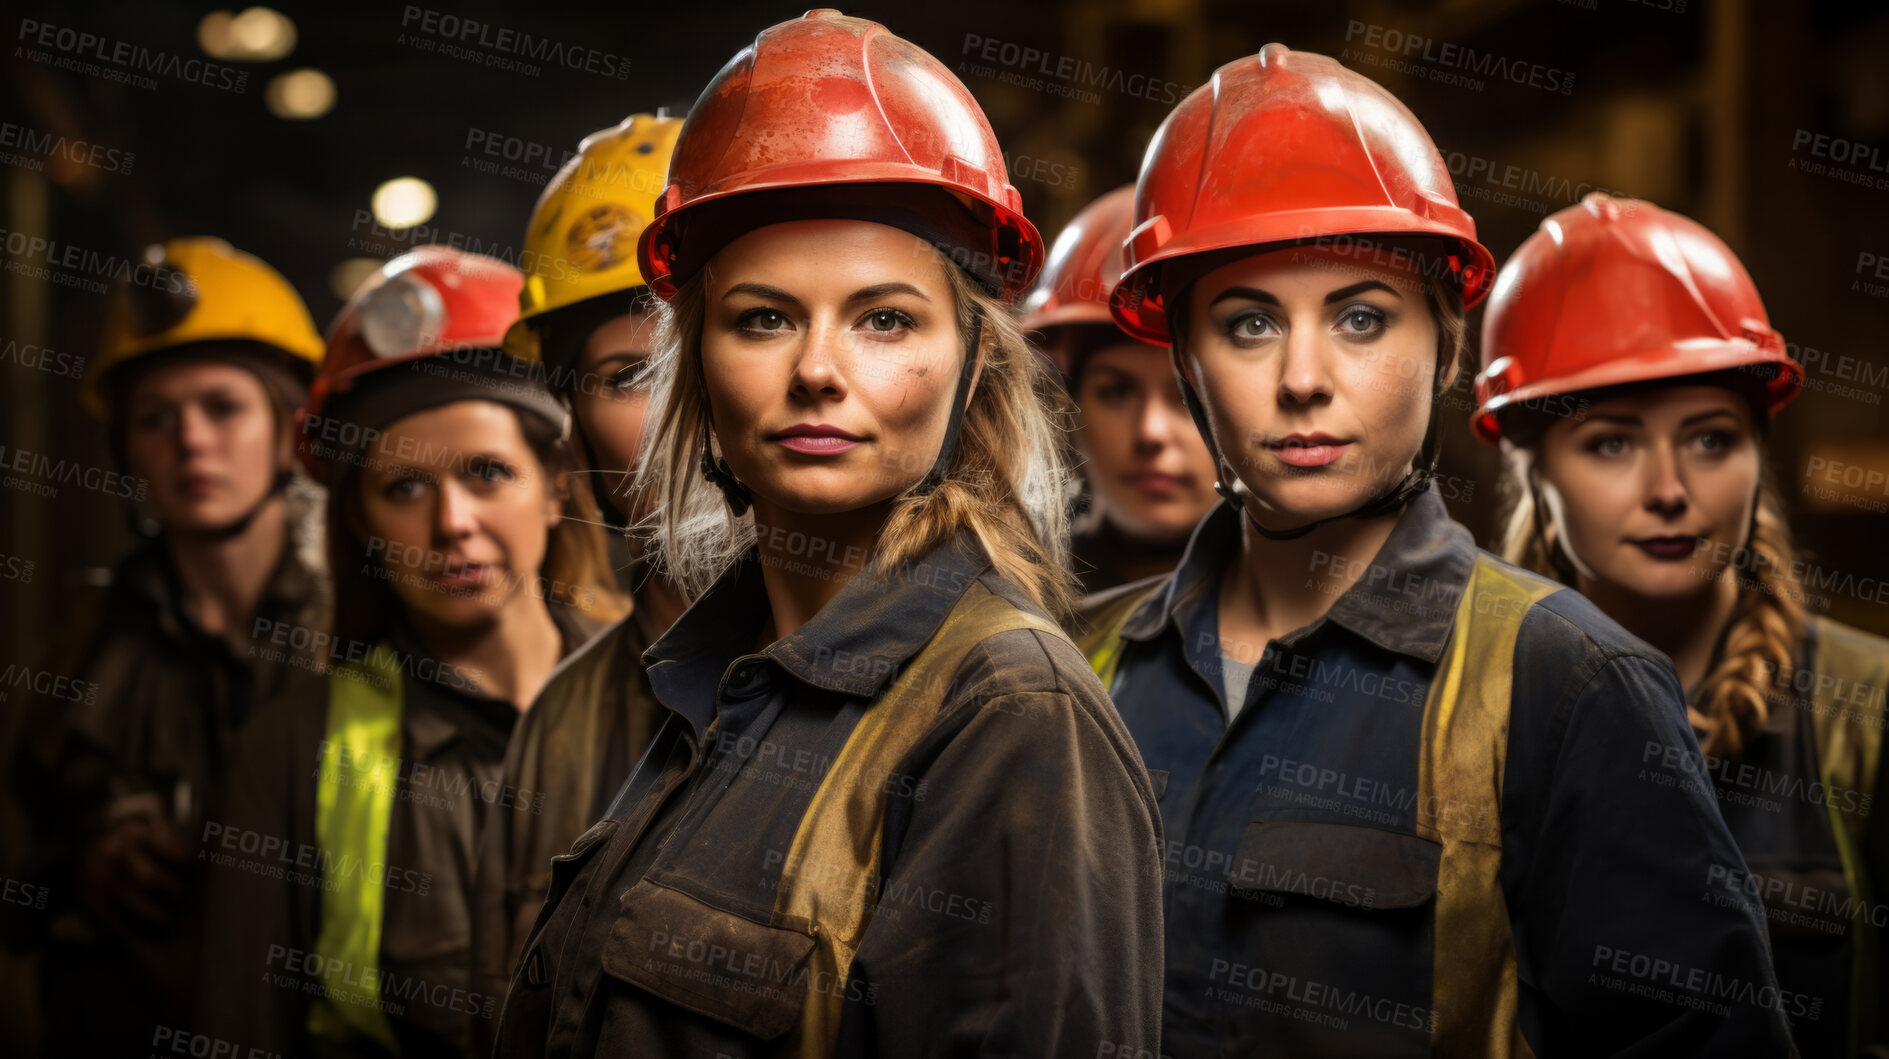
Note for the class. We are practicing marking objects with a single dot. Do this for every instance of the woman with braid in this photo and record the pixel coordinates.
(1629, 375)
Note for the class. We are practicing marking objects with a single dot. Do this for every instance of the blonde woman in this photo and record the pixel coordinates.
(1630, 374)
(890, 812)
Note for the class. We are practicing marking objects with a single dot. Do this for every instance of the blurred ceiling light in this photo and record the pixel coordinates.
(403, 202)
(259, 34)
(213, 34)
(347, 276)
(301, 95)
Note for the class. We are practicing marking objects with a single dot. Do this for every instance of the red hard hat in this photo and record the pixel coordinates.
(1614, 291)
(430, 301)
(826, 103)
(1084, 264)
(1281, 147)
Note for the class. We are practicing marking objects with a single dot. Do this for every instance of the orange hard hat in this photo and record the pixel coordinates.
(827, 116)
(433, 301)
(1284, 147)
(1084, 264)
(1613, 291)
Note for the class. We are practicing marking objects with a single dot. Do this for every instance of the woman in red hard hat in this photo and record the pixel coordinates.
(1147, 476)
(1630, 374)
(345, 866)
(1403, 800)
(890, 811)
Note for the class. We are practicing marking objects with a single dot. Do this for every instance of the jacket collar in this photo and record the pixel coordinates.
(1405, 600)
(854, 646)
(430, 731)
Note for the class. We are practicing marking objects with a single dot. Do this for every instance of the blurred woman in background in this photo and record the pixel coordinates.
(1630, 374)
(461, 584)
(587, 323)
(204, 357)
(1147, 476)
(1401, 780)
(889, 809)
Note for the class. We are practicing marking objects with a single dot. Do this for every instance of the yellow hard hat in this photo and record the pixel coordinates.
(582, 240)
(197, 289)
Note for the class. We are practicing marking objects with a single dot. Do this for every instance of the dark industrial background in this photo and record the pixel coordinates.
(1769, 122)
(1714, 109)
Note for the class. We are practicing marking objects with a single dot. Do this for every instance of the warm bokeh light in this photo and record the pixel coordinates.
(258, 34)
(403, 202)
(301, 95)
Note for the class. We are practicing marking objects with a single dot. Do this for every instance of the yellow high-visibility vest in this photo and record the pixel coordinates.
(354, 803)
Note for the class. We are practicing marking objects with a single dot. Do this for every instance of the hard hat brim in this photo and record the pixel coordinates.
(1675, 362)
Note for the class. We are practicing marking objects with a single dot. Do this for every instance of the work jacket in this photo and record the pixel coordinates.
(1451, 817)
(343, 869)
(1103, 557)
(573, 748)
(911, 827)
(142, 704)
(1801, 800)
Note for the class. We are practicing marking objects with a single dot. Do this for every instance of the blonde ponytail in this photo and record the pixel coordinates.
(1762, 640)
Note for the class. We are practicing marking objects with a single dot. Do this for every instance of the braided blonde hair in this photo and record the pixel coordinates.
(1761, 640)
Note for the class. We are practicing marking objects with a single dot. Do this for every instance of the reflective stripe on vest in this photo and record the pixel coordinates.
(354, 801)
(1849, 753)
(1102, 643)
(1459, 801)
(837, 843)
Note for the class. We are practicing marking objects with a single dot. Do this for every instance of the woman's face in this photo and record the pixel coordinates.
(204, 434)
(831, 352)
(1316, 367)
(1653, 492)
(1146, 461)
(608, 406)
(457, 511)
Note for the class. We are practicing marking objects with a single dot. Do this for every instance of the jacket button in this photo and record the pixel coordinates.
(745, 678)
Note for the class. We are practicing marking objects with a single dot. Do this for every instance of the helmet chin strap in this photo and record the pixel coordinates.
(1413, 483)
(717, 471)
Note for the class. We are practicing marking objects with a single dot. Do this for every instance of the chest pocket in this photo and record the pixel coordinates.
(751, 975)
(784, 973)
(1358, 867)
